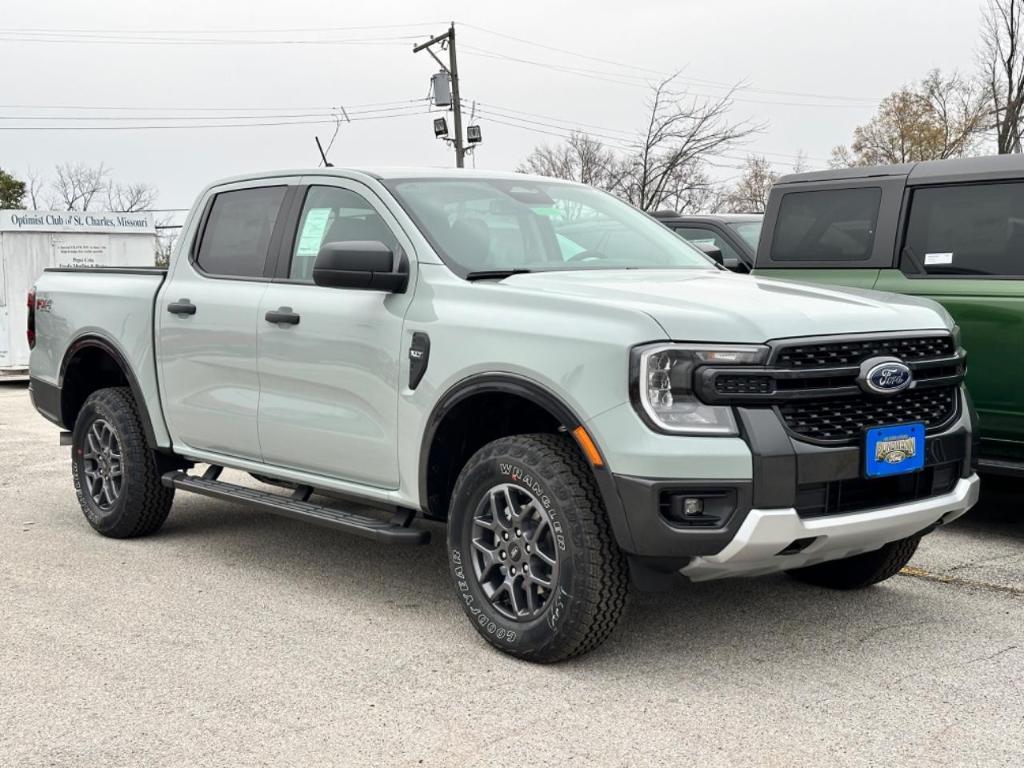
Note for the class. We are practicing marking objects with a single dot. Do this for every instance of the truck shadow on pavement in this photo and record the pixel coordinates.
(769, 617)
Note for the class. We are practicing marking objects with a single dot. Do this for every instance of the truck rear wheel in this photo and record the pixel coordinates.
(531, 551)
(116, 477)
(860, 570)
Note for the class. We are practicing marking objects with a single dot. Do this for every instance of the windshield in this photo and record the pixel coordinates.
(750, 231)
(480, 225)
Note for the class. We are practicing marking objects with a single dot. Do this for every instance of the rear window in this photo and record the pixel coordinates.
(827, 225)
(238, 232)
(968, 230)
(750, 231)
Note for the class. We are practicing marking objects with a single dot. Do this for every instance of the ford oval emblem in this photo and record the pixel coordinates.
(886, 377)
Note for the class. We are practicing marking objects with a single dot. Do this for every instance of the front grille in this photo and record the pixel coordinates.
(845, 419)
(858, 494)
(836, 354)
(743, 384)
(815, 385)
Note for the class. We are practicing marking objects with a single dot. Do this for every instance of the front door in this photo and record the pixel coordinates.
(206, 324)
(330, 381)
(964, 247)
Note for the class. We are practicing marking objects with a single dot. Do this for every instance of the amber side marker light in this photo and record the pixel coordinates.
(589, 449)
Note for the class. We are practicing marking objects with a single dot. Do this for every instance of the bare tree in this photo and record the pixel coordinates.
(76, 185)
(1001, 60)
(691, 189)
(750, 193)
(35, 185)
(665, 167)
(581, 158)
(680, 132)
(937, 118)
(127, 198)
(81, 187)
(167, 235)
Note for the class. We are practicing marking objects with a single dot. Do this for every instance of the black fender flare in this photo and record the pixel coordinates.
(94, 340)
(509, 383)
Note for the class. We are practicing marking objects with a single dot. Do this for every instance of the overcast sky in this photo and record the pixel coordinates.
(844, 55)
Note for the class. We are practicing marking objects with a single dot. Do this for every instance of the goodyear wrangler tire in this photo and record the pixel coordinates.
(116, 477)
(860, 571)
(531, 552)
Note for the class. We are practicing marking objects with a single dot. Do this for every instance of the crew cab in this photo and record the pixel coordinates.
(576, 393)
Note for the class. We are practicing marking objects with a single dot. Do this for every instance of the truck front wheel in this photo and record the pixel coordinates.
(860, 570)
(531, 551)
(116, 477)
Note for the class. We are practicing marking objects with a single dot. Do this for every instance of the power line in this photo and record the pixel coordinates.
(194, 125)
(225, 31)
(125, 36)
(487, 113)
(389, 41)
(561, 133)
(634, 81)
(408, 109)
(568, 121)
(663, 74)
(571, 126)
(97, 108)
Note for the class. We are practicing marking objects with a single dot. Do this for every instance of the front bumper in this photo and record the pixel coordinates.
(765, 533)
(789, 485)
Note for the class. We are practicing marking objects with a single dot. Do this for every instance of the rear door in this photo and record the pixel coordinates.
(837, 232)
(964, 246)
(206, 321)
(330, 381)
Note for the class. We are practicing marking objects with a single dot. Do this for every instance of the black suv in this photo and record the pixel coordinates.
(734, 234)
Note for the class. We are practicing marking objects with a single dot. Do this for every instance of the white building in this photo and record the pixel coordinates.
(30, 241)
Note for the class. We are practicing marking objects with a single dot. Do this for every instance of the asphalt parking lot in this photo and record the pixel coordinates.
(237, 638)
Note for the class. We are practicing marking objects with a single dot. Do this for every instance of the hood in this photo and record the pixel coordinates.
(717, 306)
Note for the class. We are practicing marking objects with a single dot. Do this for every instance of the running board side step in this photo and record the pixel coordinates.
(297, 506)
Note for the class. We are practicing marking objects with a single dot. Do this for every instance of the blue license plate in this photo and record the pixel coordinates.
(894, 450)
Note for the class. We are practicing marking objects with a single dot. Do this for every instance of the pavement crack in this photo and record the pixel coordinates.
(1007, 649)
(901, 625)
(932, 670)
(921, 573)
(984, 561)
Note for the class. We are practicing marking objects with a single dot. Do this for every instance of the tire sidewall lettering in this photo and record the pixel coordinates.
(545, 628)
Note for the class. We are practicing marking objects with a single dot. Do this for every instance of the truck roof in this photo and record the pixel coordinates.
(926, 172)
(389, 172)
(725, 218)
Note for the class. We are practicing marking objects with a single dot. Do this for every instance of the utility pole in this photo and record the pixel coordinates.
(448, 40)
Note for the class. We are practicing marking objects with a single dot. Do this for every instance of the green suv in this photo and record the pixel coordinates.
(949, 230)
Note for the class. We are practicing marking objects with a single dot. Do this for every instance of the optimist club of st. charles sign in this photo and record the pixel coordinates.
(76, 221)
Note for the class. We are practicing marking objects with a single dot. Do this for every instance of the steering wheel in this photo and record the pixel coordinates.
(587, 256)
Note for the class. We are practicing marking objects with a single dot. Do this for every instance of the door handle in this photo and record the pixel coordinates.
(282, 315)
(181, 307)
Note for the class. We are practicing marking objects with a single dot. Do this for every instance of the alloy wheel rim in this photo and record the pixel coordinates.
(102, 464)
(514, 554)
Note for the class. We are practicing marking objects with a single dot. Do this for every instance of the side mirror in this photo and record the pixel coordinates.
(712, 252)
(363, 264)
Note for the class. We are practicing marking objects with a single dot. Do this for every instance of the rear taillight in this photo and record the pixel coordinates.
(30, 331)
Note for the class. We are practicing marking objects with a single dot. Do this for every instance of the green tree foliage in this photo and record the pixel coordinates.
(937, 118)
(12, 191)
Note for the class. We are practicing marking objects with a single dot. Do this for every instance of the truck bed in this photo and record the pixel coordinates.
(108, 306)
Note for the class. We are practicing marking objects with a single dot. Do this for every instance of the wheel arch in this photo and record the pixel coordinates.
(110, 369)
(547, 413)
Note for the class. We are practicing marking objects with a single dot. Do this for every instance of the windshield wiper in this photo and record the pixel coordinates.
(496, 274)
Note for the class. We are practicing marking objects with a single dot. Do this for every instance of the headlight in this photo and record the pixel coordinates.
(663, 386)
